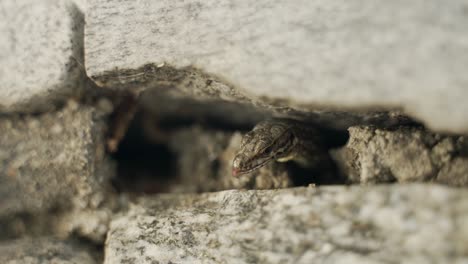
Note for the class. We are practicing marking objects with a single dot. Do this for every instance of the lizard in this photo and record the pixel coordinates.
(280, 140)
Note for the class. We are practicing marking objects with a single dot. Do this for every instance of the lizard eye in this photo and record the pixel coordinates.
(268, 149)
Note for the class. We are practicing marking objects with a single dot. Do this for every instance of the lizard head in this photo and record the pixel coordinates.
(269, 140)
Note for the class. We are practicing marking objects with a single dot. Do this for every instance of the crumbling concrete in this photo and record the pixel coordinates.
(404, 154)
(55, 162)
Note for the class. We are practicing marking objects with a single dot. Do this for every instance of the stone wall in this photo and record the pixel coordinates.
(119, 121)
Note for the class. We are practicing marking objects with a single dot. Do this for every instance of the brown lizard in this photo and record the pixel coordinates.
(279, 140)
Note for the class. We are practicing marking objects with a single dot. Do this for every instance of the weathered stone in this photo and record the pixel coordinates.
(204, 162)
(386, 223)
(55, 161)
(41, 44)
(304, 54)
(404, 154)
(46, 250)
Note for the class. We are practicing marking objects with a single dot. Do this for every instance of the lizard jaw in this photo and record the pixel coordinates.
(238, 170)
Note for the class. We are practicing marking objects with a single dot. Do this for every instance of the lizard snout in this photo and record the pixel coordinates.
(237, 165)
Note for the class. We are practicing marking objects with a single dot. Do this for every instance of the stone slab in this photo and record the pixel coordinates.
(335, 224)
(39, 49)
(339, 54)
(46, 250)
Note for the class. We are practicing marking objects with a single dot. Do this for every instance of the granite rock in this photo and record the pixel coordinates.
(335, 224)
(320, 55)
(41, 50)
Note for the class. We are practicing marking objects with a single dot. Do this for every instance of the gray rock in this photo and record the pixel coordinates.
(41, 44)
(383, 224)
(55, 161)
(303, 54)
(46, 250)
(204, 163)
(404, 154)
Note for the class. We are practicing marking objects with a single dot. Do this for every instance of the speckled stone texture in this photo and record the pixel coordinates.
(47, 250)
(335, 54)
(55, 161)
(383, 224)
(204, 162)
(40, 45)
(404, 154)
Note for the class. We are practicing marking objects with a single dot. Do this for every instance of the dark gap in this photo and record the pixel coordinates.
(326, 171)
(146, 165)
(168, 123)
(215, 168)
(142, 165)
(334, 138)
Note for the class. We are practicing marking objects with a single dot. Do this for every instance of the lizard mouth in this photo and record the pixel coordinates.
(241, 170)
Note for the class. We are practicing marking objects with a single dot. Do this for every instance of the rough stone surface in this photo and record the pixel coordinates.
(204, 160)
(55, 161)
(333, 54)
(39, 49)
(383, 224)
(46, 250)
(404, 154)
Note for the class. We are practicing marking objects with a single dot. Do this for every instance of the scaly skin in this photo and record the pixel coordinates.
(280, 140)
